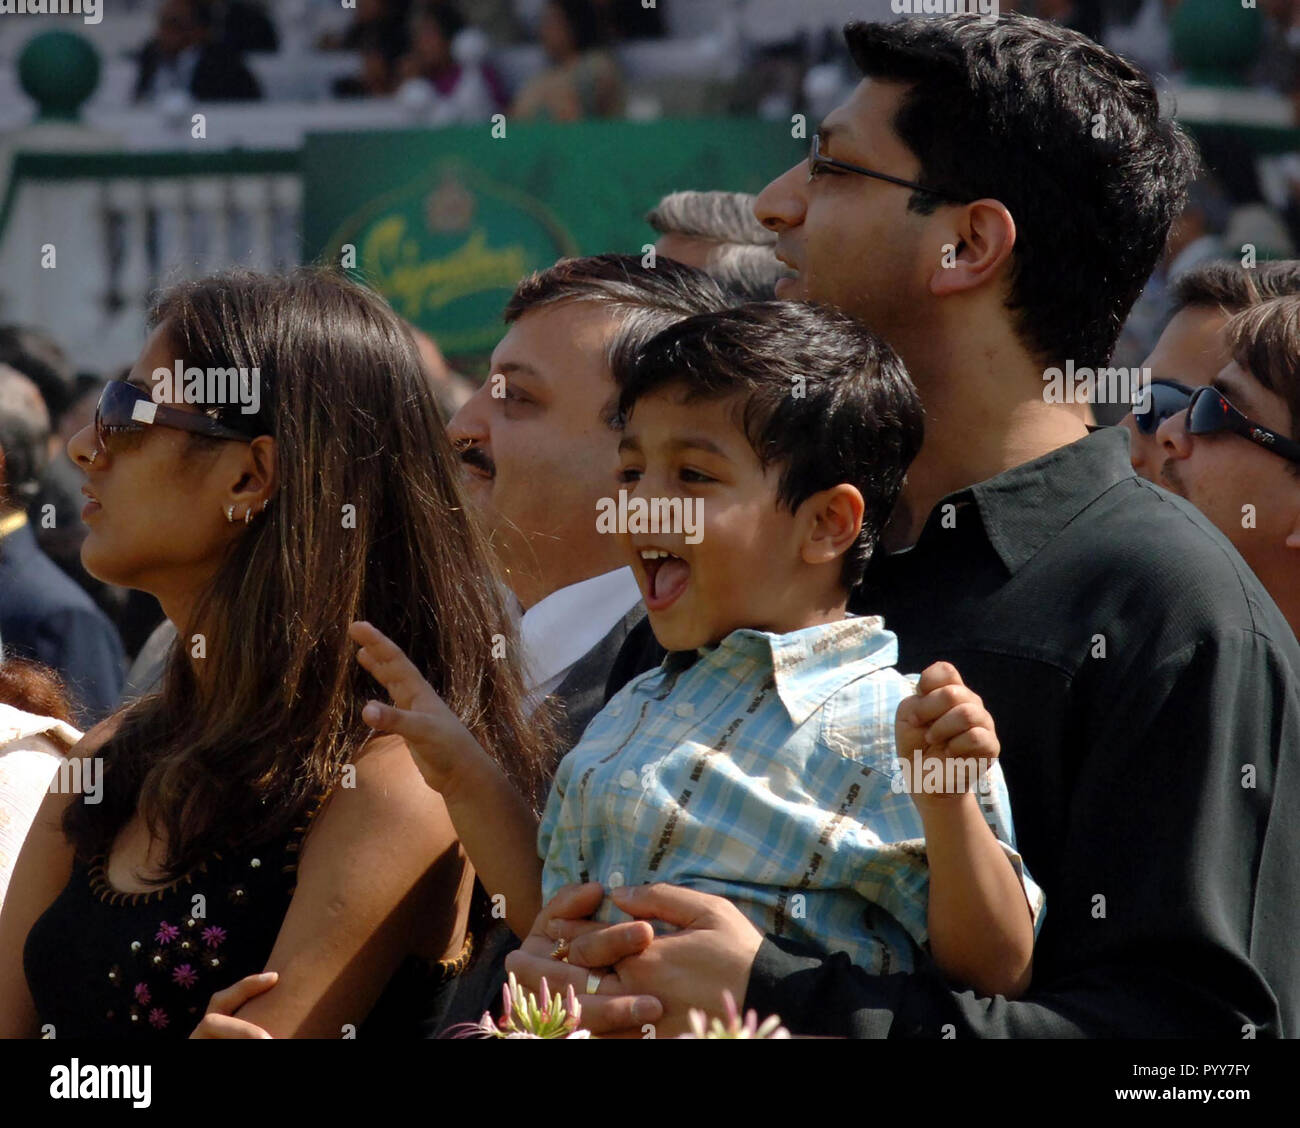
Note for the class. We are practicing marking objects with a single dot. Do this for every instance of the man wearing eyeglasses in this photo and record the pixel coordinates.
(1232, 450)
(968, 204)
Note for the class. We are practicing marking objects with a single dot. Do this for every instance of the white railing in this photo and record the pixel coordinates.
(85, 240)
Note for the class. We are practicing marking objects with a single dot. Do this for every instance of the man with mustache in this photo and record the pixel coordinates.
(539, 453)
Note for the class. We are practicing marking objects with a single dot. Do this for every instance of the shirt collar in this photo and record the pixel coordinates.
(560, 629)
(808, 666)
(1024, 508)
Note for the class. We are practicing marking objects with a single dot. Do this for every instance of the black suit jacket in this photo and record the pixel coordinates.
(45, 616)
(585, 688)
(219, 75)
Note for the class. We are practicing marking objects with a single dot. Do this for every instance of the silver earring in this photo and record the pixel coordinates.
(265, 502)
(230, 514)
(248, 515)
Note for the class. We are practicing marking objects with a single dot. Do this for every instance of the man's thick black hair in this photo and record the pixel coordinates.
(1007, 109)
(818, 395)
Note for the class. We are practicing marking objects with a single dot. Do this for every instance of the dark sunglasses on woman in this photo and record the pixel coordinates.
(124, 408)
(1208, 412)
(1160, 400)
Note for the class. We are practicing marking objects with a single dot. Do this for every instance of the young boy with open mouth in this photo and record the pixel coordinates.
(775, 757)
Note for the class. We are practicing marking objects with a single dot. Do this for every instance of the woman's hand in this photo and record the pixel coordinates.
(219, 1020)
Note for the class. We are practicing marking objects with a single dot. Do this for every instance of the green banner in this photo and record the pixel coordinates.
(446, 222)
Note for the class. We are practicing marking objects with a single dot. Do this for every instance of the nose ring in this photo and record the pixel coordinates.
(93, 455)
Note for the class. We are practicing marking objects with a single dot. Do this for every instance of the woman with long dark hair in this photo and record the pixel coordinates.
(249, 817)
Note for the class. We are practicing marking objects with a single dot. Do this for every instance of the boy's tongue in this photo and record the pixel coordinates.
(669, 578)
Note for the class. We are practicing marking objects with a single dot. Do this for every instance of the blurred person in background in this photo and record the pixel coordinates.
(450, 388)
(444, 69)
(582, 79)
(717, 232)
(43, 614)
(1234, 450)
(244, 25)
(1194, 238)
(380, 47)
(389, 16)
(620, 20)
(36, 733)
(1192, 351)
(184, 58)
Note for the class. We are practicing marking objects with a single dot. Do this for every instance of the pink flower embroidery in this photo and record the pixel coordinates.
(142, 994)
(158, 1018)
(184, 975)
(213, 936)
(166, 933)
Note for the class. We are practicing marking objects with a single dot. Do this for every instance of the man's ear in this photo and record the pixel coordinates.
(977, 246)
(833, 520)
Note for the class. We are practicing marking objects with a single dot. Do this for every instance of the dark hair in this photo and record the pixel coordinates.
(38, 356)
(820, 395)
(645, 299)
(368, 521)
(1264, 339)
(1232, 288)
(449, 20)
(1005, 109)
(584, 23)
(33, 688)
(24, 433)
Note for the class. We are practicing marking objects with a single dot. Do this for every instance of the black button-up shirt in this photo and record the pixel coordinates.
(1146, 692)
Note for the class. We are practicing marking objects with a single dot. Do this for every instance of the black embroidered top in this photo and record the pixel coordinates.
(105, 964)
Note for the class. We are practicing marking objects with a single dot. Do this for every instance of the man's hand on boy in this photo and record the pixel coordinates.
(652, 984)
(444, 749)
(593, 948)
(945, 738)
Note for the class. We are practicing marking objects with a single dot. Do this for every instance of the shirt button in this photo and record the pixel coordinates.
(615, 879)
(614, 710)
(628, 778)
(685, 709)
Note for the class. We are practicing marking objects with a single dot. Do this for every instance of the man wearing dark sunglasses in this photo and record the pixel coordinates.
(1232, 450)
(1191, 352)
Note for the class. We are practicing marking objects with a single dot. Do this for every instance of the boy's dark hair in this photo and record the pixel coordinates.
(1006, 109)
(1232, 288)
(822, 396)
(645, 299)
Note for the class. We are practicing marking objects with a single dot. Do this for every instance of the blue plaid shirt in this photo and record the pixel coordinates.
(762, 769)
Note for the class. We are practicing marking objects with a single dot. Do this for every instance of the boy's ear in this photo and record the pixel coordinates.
(834, 520)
